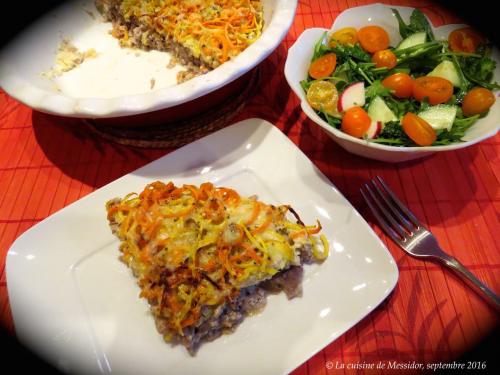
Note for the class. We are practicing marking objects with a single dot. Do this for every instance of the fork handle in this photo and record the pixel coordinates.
(463, 272)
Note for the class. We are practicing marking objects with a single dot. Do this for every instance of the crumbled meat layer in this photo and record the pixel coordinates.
(223, 319)
(226, 318)
(289, 281)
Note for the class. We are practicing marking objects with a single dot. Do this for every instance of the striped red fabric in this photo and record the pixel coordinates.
(48, 162)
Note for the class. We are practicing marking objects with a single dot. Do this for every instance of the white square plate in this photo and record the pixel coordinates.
(77, 305)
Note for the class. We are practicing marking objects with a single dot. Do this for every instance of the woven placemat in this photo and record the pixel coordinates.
(179, 133)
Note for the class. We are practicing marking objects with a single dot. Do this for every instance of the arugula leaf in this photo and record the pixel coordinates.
(424, 105)
(305, 84)
(475, 69)
(465, 122)
(343, 76)
(480, 71)
(347, 51)
(341, 85)
(389, 141)
(404, 30)
(464, 82)
(457, 131)
(319, 47)
(332, 121)
(418, 22)
(377, 89)
(342, 70)
(423, 65)
(429, 49)
(362, 72)
(402, 106)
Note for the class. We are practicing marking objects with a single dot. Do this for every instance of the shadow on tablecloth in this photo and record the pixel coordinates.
(70, 146)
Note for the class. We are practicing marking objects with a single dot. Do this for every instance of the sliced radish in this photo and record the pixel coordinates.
(353, 96)
(374, 129)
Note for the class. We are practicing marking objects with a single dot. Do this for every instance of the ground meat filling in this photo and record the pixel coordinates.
(251, 300)
(225, 318)
(289, 281)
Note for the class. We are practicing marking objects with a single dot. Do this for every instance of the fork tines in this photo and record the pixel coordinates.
(393, 216)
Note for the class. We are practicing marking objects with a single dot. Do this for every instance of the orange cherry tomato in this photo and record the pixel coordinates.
(323, 66)
(418, 129)
(347, 35)
(400, 83)
(385, 58)
(465, 39)
(477, 101)
(373, 38)
(436, 89)
(355, 122)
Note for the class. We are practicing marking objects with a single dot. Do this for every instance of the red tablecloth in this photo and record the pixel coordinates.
(47, 163)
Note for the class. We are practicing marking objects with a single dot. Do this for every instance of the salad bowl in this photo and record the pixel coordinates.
(299, 58)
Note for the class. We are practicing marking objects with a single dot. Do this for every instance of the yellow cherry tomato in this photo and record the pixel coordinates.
(347, 35)
(323, 96)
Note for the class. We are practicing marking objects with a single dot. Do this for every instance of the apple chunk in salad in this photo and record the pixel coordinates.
(421, 92)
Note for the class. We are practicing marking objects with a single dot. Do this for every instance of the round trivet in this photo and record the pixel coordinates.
(179, 133)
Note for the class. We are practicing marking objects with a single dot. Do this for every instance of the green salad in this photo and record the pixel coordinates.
(421, 92)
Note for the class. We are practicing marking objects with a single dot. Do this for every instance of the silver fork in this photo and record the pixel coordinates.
(407, 231)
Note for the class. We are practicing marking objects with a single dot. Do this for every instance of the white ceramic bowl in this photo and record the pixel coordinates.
(118, 81)
(299, 59)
